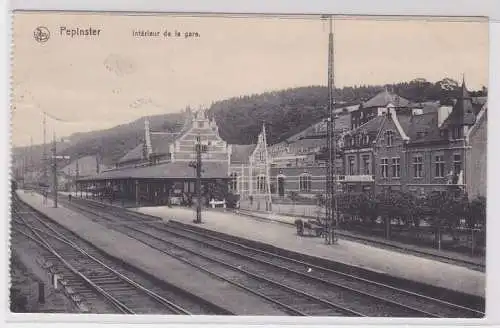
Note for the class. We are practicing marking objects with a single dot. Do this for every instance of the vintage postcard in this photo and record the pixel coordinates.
(182, 164)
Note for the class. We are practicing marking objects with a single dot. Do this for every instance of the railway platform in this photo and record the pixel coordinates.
(152, 261)
(290, 220)
(273, 232)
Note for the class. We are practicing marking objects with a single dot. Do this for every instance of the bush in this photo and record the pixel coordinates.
(232, 200)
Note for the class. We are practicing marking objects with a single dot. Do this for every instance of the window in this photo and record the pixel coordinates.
(457, 132)
(439, 165)
(233, 182)
(305, 183)
(457, 163)
(418, 166)
(350, 168)
(396, 167)
(366, 164)
(384, 167)
(261, 184)
(346, 141)
(367, 139)
(389, 135)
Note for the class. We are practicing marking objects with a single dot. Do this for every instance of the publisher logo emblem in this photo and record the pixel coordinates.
(41, 34)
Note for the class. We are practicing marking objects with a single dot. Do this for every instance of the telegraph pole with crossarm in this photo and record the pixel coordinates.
(55, 157)
(199, 148)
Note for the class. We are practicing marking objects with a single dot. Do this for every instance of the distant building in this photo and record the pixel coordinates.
(299, 162)
(378, 106)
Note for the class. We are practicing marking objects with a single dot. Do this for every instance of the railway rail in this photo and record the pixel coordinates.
(98, 279)
(290, 282)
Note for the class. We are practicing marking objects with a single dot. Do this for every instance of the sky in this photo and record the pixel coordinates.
(97, 82)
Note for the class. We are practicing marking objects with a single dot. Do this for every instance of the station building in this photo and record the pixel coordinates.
(161, 167)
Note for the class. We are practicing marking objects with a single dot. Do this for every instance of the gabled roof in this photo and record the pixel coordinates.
(371, 127)
(384, 98)
(342, 122)
(424, 128)
(212, 170)
(240, 154)
(308, 143)
(133, 155)
(482, 116)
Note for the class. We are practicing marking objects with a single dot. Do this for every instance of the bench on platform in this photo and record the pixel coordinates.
(217, 203)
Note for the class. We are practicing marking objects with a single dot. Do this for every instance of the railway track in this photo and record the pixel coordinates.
(97, 279)
(289, 299)
(347, 292)
(388, 245)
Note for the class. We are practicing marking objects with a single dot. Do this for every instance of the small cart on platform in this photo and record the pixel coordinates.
(310, 227)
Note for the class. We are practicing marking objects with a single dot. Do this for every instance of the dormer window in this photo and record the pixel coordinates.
(457, 132)
(389, 138)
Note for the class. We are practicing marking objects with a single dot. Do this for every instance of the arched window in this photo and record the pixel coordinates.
(233, 182)
(261, 183)
(305, 182)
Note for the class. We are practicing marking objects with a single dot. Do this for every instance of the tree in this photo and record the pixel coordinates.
(476, 216)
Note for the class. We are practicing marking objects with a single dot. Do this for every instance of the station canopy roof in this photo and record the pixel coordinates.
(176, 170)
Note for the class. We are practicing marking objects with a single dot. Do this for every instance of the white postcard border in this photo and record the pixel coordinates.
(395, 7)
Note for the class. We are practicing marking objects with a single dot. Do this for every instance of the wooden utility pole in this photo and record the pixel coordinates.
(198, 179)
(77, 175)
(54, 169)
(44, 155)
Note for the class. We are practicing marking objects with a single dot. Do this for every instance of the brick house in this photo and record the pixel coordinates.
(373, 153)
(440, 146)
(430, 149)
(299, 162)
